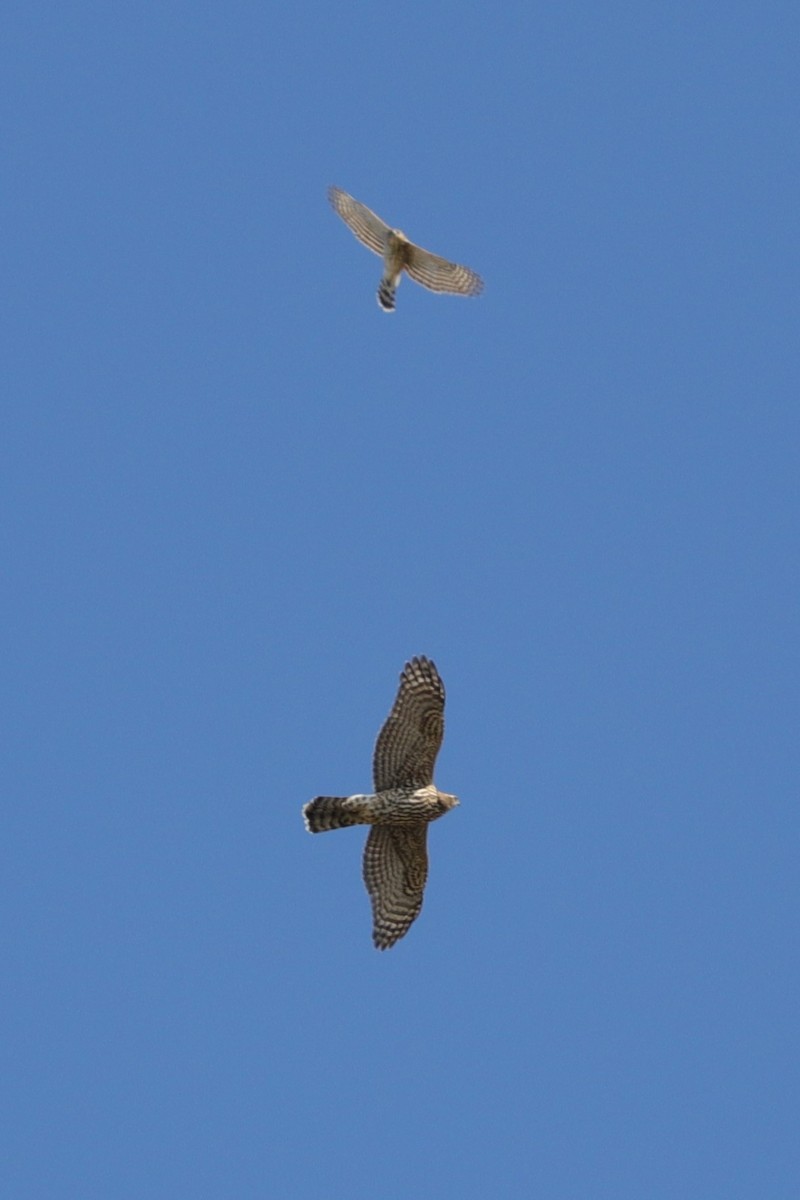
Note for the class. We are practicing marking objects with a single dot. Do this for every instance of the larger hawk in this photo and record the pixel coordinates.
(404, 803)
(399, 254)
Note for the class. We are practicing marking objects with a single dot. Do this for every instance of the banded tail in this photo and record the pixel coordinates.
(332, 812)
(386, 294)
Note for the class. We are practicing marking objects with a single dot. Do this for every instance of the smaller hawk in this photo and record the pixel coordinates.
(399, 254)
(404, 803)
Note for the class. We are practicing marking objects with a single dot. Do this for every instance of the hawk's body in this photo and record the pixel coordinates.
(396, 806)
(399, 254)
(404, 802)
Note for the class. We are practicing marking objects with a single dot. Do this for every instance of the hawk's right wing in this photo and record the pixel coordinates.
(367, 227)
(406, 749)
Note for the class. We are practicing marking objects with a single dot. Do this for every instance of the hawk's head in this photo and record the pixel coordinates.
(447, 801)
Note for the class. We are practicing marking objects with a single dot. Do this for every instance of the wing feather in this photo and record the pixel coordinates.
(407, 745)
(395, 871)
(365, 224)
(440, 275)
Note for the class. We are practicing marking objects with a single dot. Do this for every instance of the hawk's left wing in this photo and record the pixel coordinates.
(439, 275)
(395, 870)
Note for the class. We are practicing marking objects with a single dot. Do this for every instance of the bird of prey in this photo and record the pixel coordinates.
(404, 802)
(399, 254)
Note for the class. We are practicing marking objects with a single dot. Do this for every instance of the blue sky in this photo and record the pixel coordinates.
(236, 497)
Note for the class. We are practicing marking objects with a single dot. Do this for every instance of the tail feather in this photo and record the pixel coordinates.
(386, 294)
(330, 812)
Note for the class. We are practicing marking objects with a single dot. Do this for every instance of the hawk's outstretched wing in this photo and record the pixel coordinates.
(406, 749)
(395, 870)
(439, 275)
(367, 227)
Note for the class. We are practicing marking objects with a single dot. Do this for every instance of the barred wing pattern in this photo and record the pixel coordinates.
(439, 275)
(406, 749)
(395, 870)
(367, 227)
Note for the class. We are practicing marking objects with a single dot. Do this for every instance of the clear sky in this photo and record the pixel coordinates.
(235, 497)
